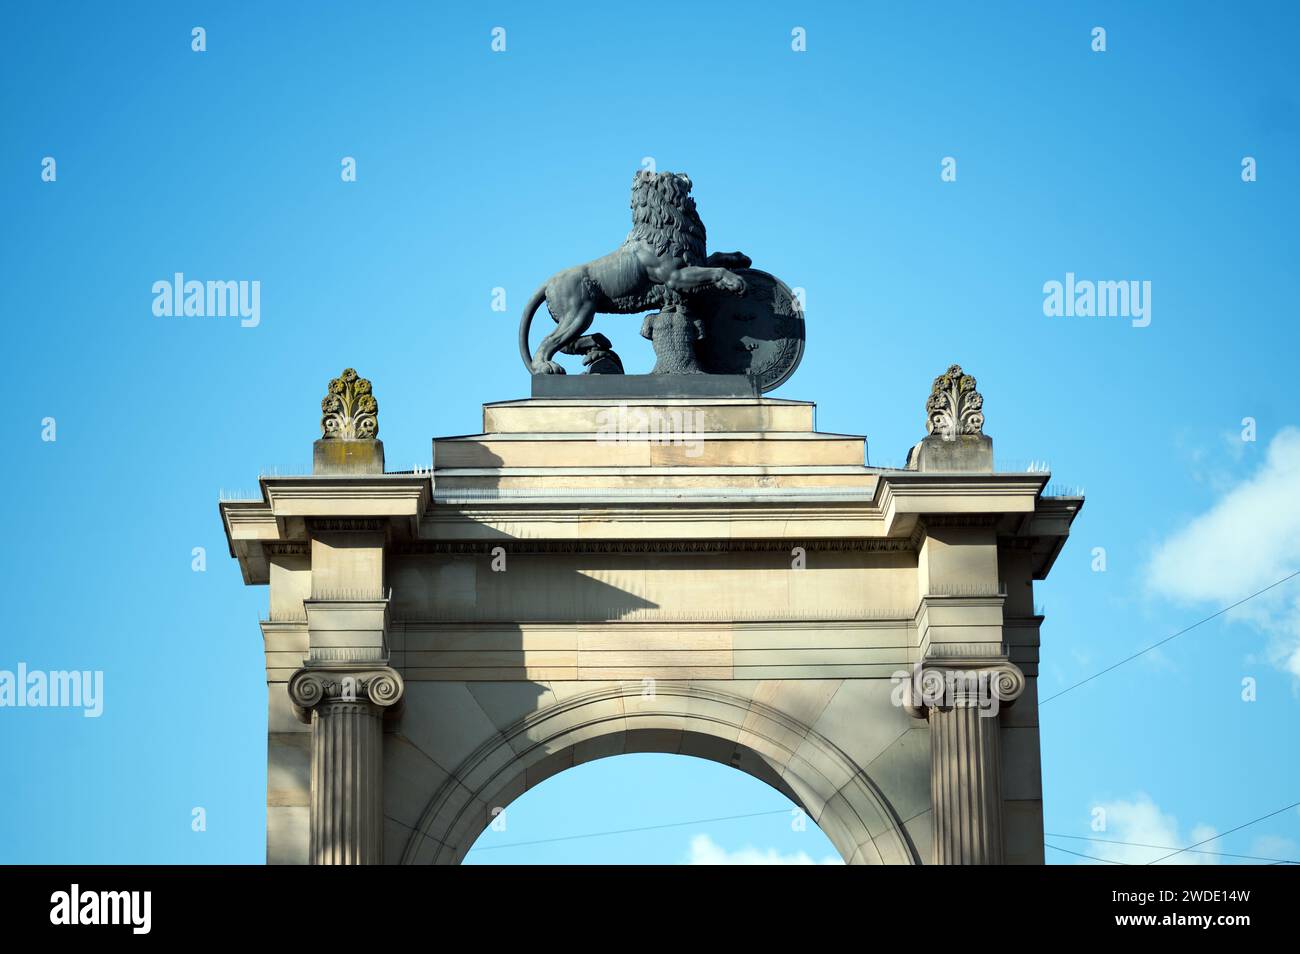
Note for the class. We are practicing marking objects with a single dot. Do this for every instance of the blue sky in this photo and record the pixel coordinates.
(478, 170)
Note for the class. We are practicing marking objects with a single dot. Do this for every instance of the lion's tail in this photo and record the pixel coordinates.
(526, 324)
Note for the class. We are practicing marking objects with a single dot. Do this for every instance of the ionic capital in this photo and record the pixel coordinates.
(987, 684)
(380, 686)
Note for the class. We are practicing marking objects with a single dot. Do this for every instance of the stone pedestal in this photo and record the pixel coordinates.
(333, 456)
(642, 387)
(966, 453)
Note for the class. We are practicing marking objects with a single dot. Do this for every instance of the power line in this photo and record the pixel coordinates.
(1143, 652)
(1228, 832)
(627, 831)
(1078, 854)
(1138, 844)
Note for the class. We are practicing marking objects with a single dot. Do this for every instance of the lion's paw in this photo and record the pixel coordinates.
(734, 284)
(547, 367)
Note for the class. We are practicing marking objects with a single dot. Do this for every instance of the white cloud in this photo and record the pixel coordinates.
(1247, 540)
(705, 851)
(1141, 822)
(1275, 847)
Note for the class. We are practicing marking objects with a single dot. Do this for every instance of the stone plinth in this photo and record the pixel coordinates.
(644, 386)
(966, 453)
(335, 456)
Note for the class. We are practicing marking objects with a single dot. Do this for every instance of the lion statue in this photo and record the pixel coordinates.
(662, 260)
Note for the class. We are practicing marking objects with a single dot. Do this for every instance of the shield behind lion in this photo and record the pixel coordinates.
(760, 334)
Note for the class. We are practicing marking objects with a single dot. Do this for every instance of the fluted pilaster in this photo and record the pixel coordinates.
(347, 804)
(962, 706)
(346, 710)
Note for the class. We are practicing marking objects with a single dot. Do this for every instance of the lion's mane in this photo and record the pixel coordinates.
(664, 216)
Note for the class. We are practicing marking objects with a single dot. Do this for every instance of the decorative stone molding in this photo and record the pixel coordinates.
(286, 549)
(959, 521)
(381, 687)
(349, 410)
(954, 407)
(518, 547)
(346, 525)
(937, 652)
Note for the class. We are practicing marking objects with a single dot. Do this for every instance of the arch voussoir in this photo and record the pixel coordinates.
(697, 719)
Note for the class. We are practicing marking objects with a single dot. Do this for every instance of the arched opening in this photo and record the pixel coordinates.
(693, 719)
(651, 808)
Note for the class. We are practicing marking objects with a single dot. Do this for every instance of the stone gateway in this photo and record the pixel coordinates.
(577, 581)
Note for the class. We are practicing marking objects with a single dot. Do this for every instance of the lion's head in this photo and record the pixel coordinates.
(664, 216)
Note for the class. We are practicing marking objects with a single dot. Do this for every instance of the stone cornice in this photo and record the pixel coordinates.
(918, 483)
(247, 520)
(904, 497)
(401, 497)
(664, 520)
(1048, 527)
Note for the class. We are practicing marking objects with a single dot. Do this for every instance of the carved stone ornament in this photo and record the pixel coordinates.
(954, 407)
(349, 410)
(381, 687)
(986, 684)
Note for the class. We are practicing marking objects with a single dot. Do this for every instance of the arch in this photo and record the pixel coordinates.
(679, 718)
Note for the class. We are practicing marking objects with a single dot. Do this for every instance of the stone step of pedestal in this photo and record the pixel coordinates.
(592, 416)
(630, 478)
(690, 450)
